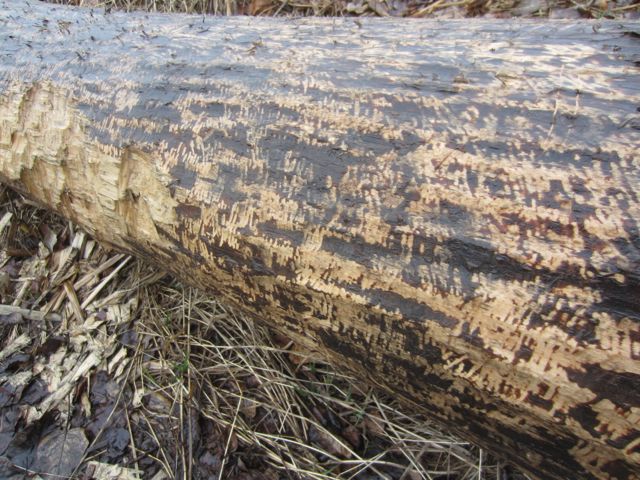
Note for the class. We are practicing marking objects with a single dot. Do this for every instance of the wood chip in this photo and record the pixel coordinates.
(104, 282)
(73, 301)
(6, 218)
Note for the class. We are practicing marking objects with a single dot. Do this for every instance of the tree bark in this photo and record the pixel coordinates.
(448, 208)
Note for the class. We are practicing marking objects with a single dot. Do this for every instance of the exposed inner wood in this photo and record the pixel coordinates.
(449, 209)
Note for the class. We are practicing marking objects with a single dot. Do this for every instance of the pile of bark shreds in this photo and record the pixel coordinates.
(111, 369)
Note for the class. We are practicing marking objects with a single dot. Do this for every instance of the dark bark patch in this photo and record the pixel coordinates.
(538, 401)
(619, 470)
(189, 211)
(185, 177)
(622, 388)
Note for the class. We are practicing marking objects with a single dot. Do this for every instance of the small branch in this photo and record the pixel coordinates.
(35, 315)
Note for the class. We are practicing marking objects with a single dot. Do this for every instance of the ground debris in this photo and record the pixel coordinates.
(385, 8)
(54, 342)
(106, 471)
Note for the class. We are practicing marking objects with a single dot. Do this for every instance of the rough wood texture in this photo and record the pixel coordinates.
(448, 208)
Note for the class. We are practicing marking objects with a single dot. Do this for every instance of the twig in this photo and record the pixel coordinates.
(34, 315)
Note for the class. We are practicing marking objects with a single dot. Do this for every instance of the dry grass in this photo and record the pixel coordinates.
(266, 400)
(148, 378)
(401, 8)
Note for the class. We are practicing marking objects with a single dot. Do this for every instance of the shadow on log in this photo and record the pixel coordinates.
(448, 208)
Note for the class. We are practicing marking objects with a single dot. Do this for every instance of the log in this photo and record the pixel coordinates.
(447, 208)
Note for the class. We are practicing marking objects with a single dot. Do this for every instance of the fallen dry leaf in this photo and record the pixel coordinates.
(259, 6)
(330, 443)
(352, 435)
(374, 424)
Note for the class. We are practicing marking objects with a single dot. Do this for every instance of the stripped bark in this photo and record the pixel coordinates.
(448, 208)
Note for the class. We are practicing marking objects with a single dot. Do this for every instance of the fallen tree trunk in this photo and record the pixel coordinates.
(450, 209)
